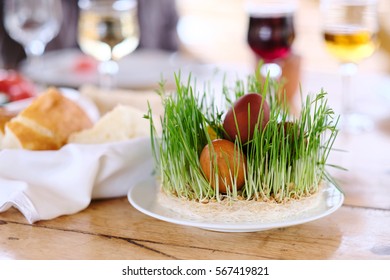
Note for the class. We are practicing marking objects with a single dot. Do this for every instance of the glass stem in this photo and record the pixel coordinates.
(108, 71)
(347, 71)
(34, 50)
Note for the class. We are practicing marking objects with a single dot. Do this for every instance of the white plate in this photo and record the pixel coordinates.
(143, 197)
(142, 69)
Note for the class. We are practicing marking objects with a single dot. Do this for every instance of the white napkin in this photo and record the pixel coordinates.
(46, 184)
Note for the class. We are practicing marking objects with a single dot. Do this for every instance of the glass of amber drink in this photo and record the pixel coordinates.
(349, 29)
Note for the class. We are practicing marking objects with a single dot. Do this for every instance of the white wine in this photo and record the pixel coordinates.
(350, 30)
(349, 44)
(108, 35)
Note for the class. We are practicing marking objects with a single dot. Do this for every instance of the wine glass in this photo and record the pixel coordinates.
(33, 23)
(108, 31)
(350, 30)
(271, 33)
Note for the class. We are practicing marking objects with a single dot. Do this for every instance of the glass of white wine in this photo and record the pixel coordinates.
(33, 23)
(350, 30)
(108, 31)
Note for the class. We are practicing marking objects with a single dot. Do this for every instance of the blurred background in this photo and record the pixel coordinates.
(192, 33)
(216, 31)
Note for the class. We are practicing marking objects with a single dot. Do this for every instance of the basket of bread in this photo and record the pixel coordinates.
(58, 151)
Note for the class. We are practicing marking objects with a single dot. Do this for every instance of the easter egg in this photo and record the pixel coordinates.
(248, 112)
(225, 159)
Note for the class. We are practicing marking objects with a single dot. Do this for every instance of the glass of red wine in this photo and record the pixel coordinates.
(271, 33)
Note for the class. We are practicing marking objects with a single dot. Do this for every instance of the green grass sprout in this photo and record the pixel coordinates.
(285, 160)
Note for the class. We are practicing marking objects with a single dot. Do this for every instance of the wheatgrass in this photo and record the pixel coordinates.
(284, 161)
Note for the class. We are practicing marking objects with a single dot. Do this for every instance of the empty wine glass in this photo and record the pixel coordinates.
(350, 30)
(33, 23)
(108, 31)
(271, 32)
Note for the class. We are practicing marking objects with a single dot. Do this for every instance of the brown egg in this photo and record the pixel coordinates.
(246, 111)
(229, 161)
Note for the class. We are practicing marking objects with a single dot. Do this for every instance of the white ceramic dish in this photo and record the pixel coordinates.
(142, 69)
(143, 197)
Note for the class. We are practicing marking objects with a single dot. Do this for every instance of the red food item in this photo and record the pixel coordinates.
(85, 64)
(15, 85)
(243, 117)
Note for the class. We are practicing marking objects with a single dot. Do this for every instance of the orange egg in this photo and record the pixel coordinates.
(229, 161)
(243, 117)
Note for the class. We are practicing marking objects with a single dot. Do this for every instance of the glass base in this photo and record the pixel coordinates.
(356, 123)
(273, 70)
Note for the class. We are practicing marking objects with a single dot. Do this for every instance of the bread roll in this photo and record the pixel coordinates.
(46, 123)
(5, 117)
(122, 123)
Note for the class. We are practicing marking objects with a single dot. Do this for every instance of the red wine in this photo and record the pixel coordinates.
(271, 36)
